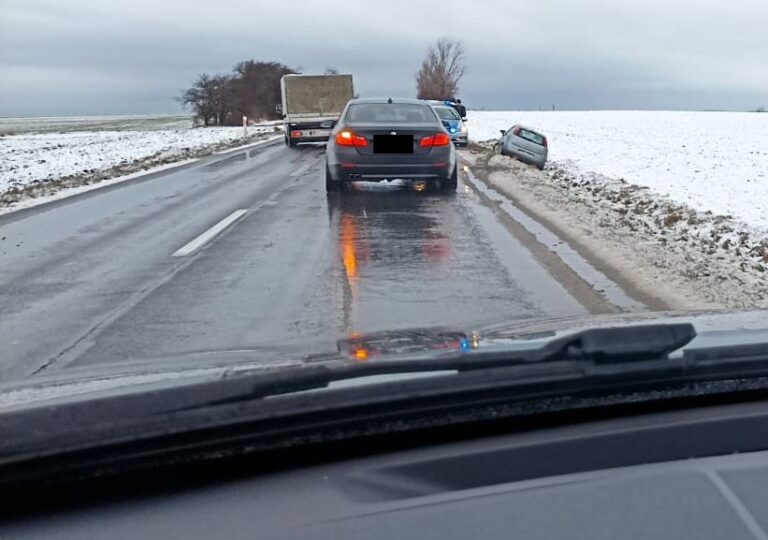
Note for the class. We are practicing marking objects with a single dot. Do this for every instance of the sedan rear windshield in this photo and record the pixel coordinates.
(447, 113)
(390, 112)
(532, 136)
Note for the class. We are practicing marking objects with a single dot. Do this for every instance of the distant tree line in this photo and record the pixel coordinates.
(252, 90)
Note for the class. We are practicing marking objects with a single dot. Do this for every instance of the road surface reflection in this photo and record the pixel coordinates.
(390, 235)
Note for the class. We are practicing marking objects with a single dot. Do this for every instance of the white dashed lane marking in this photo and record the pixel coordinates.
(210, 234)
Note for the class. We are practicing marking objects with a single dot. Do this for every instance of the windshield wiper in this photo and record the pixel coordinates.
(616, 348)
(260, 406)
(605, 358)
(612, 345)
(599, 346)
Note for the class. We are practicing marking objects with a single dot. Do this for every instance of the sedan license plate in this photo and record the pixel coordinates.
(393, 144)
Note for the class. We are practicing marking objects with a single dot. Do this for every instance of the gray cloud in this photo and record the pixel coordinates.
(135, 56)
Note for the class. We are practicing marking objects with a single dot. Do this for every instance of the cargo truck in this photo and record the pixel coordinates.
(311, 105)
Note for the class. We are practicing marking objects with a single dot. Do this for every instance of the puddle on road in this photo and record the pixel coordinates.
(599, 281)
(415, 259)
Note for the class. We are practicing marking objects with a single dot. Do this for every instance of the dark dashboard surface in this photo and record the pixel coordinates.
(496, 487)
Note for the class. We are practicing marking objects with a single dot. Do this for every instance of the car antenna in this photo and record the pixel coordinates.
(389, 100)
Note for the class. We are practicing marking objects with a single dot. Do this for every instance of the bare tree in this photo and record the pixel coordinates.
(252, 90)
(202, 97)
(441, 70)
(330, 70)
(257, 88)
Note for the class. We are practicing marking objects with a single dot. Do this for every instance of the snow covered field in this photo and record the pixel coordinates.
(37, 158)
(140, 122)
(710, 161)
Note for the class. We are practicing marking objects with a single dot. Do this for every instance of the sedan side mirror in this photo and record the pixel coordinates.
(503, 131)
(328, 124)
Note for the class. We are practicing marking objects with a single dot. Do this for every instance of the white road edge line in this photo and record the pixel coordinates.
(247, 146)
(208, 235)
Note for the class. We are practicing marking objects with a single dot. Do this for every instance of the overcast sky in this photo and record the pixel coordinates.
(116, 56)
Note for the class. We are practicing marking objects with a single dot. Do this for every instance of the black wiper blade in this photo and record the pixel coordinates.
(621, 346)
(613, 345)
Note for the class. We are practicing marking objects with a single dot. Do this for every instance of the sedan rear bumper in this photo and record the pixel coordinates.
(525, 155)
(300, 134)
(309, 139)
(390, 171)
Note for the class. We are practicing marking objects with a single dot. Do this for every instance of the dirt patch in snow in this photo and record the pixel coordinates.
(685, 258)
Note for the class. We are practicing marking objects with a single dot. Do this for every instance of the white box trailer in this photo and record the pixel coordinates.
(312, 104)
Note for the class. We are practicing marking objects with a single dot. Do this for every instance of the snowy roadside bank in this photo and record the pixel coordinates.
(39, 165)
(708, 161)
(685, 257)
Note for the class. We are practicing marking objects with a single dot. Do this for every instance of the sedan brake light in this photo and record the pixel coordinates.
(438, 139)
(348, 138)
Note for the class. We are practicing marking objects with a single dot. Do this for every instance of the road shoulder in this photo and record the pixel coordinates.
(50, 192)
(663, 269)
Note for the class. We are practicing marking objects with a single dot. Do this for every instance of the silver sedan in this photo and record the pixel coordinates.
(524, 144)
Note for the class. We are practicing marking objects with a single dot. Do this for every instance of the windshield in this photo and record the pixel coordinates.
(532, 136)
(446, 113)
(383, 113)
(205, 192)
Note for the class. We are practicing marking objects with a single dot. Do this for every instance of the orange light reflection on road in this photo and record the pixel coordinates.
(348, 237)
(361, 354)
(438, 250)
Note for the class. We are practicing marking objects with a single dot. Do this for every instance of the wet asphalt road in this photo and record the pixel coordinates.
(118, 275)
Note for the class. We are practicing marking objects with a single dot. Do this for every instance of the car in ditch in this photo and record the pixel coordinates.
(525, 144)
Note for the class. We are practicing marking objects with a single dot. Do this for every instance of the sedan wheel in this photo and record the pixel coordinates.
(330, 185)
(451, 184)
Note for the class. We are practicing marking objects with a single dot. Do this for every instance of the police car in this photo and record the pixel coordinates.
(452, 121)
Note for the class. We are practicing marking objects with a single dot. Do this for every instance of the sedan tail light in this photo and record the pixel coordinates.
(348, 138)
(438, 139)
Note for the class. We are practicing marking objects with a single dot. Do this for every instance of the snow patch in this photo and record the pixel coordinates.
(37, 165)
(708, 161)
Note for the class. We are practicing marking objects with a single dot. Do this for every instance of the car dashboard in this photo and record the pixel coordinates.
(614, 478)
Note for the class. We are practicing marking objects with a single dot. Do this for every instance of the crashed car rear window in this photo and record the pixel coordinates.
(390, 112)
(532, 136)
